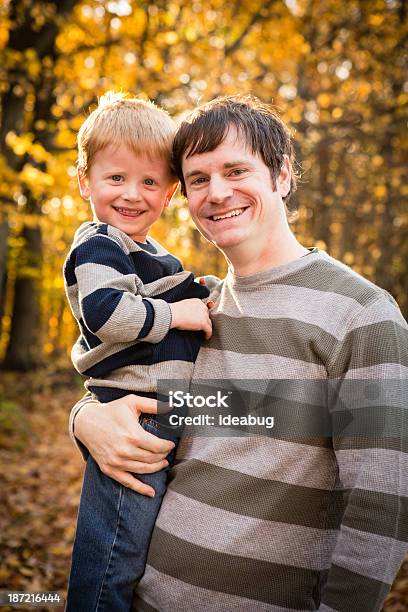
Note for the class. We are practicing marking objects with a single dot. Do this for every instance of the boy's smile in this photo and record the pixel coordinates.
(126, 190)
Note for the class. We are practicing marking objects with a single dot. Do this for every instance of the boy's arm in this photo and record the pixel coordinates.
(108, 295)
(370, 369)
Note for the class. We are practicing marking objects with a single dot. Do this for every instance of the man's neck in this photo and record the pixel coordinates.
(246, 261)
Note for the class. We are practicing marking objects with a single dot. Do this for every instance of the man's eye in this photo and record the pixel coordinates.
(116, 178)
(149, 181)
(237, 171)
(199, 180)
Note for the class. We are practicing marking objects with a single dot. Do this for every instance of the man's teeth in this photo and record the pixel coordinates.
(232, 213)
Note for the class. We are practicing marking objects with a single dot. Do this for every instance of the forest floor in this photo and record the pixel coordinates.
(40, 483)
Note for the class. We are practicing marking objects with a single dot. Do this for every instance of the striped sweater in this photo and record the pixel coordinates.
(119, 292)
(253, 524)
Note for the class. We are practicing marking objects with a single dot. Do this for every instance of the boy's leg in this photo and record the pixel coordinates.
(113, 535)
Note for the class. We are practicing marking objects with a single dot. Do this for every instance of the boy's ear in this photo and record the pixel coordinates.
(83, 183)
(169, 195)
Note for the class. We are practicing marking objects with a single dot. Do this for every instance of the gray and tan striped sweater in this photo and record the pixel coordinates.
(255, 524)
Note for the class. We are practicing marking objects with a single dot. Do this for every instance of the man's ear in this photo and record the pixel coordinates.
(170, 193)
(83, 183)
(284, 177)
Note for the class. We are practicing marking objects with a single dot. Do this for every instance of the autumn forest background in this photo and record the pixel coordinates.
(336, 71)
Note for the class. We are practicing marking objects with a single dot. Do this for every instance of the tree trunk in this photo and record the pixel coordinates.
(22, 350)
(3, 266)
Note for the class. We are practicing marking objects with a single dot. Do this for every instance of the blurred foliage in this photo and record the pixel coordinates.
(335, 70)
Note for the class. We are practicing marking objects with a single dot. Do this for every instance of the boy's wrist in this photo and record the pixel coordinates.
(162, 320)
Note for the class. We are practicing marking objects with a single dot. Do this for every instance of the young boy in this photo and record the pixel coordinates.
(131, 299)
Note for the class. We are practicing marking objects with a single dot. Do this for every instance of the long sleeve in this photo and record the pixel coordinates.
(370, 369)
(86, 399)
(110, 304)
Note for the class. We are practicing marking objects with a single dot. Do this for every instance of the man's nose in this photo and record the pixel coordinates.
(219, 190)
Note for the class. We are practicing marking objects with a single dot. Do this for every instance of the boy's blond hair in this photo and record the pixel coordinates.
(138, 124)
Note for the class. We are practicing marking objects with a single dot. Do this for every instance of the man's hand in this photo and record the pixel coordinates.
(191, 315)
(119, 444)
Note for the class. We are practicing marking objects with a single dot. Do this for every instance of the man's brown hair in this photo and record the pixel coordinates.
(257, 123)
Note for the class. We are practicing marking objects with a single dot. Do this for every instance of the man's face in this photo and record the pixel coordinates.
(231, 196)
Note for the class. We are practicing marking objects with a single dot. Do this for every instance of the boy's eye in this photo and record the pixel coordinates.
(116, 178)
(149, 181)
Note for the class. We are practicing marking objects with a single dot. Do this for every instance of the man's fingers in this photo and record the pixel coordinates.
(142, 404)
(210, 304)
(147, 468)
(135, 455)
(127, 480)
(208, 330)
(150, 442)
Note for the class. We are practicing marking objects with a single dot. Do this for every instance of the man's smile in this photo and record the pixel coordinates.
(236, 212)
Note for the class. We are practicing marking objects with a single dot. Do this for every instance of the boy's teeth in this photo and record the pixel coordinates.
(233, 213)
(126, 211)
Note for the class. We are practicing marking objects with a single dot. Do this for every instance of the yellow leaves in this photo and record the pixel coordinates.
(22, 144)
(190, 34)
(169, 38)
(32, 63)
(65, 138)
(375, 20)
(380, 191)
(36, 180)
(363, 89)
(19, 144)
(377, 161)
(4, 32)
(70, 38)
(324, 100)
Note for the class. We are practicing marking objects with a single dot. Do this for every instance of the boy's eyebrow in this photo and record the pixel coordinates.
(231, 164)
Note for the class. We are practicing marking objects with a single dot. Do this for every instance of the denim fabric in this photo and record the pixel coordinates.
(113, 535)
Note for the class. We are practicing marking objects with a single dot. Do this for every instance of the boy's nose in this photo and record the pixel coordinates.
(131, 193)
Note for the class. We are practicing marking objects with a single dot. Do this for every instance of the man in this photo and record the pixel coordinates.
(270, 523)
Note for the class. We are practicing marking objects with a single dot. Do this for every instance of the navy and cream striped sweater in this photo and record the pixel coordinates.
(119, 291)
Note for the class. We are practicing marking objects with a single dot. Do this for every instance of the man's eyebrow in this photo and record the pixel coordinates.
(238, 162)
(231, 164)
(193, 173)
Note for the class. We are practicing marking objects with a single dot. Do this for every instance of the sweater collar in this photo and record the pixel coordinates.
(275, 273)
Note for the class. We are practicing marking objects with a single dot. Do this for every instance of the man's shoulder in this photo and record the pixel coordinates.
(326, 274)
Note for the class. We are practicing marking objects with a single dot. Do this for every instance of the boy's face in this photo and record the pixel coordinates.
(126, 190)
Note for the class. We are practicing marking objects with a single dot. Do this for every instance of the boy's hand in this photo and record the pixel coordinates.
(191, 315)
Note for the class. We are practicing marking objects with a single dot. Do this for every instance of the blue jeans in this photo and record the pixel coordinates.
(113, 535)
